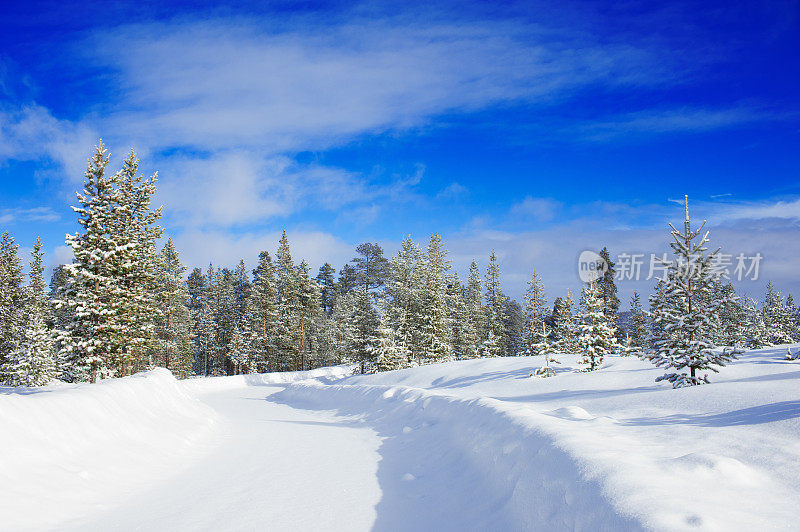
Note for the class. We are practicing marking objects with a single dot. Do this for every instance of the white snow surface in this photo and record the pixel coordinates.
(470, 445)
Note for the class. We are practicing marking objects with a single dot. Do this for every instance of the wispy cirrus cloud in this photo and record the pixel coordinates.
(677, 120)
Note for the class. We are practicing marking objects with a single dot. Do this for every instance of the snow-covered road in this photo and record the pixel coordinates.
(273, 467)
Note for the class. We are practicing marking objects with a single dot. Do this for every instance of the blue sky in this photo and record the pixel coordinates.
(535, 129)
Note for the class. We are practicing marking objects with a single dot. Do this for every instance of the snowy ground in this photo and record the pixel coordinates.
(474, 445)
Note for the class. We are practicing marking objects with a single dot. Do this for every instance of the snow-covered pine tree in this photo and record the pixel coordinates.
(543, 346)
(362, 322)
(371, 266)
(778, 318)
(196, 287)
(173, 324)
(222, 303)
(435, 341)
(535, 312)
(794, 317)
(347, 279)
(495, 313)
(390, 353)
(682, 316)
(343, 330)
(729, 320)
(755, 331)
(474, 323)
(639, 331)
(238, 352)
(308, 305)
(289, 333)
(403, 297)
(608, 289)
(61, 317)
(91, 342)
(263, 314)
(327, 285)
(596, 336)
(565, 327)
(513, 342)
(12, 299)
(457, 316)
(32, 363)
(134, 267)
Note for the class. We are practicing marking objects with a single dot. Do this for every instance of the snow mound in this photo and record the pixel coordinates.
(80, 440)
(575, 413)
(217, 384)
(483, 465)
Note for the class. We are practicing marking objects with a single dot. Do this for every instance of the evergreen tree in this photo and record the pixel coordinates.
(457, 316)
(32, 363)
(565, 328)
(495, 312)
(263, 314)
(90, 342)
(348, 279)
(535, 310)
(134, 267)
(308, 304)
(543, 346)
(474, 323)
(327, 285)
(639, 325)
(390, 353)
(371, 267)
(403, 294)
(288, 340)
(12, 299)
(681, 313)
(435, 344)
(755, 330)
(596, 337)
(513, 342)
(174, 324)
(778, 318)
(608, 289)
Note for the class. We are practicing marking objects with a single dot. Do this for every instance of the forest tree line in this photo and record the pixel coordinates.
(123, 305)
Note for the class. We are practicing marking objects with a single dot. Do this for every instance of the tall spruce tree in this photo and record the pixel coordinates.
(608, 289)
(684, 314)
(90, 343)
(495, 311)
(565, 328)
(263, 314)
(475, 322)
(403, 295)
(174, 323)
(134, 267)
(436, 343)
(308, 304)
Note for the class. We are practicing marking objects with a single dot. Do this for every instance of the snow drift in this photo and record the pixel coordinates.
(67, 451)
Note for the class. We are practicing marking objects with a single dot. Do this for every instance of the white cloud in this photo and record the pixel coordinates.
(34, 214)
(540, 209)
(655, 121)
(33, 133)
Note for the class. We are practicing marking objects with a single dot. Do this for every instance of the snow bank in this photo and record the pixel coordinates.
(70, 451)
(216, 384)
(487, 467)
